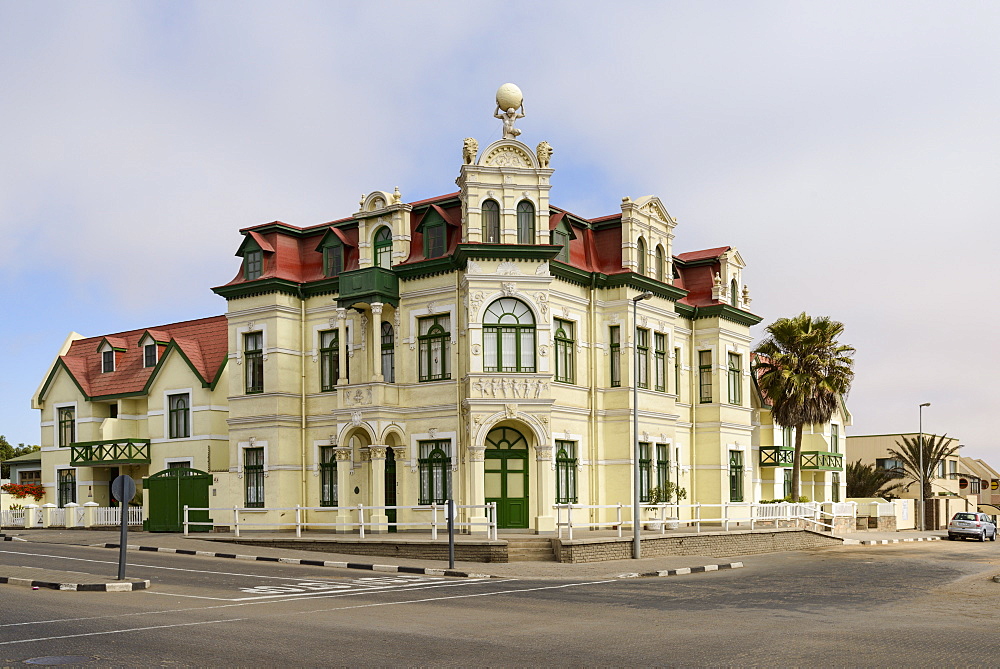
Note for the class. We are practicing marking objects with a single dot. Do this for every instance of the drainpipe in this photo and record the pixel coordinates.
(302, 401)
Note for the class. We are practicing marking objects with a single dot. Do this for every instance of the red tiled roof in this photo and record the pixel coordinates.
(691, 256)
(204, 342)
(296, 259)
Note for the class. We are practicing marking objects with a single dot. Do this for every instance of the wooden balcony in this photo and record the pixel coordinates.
(110, 452)
(776, 456)
(822, 460)
(367, 285)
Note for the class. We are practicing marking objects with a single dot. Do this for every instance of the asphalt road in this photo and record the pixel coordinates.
(909, 604)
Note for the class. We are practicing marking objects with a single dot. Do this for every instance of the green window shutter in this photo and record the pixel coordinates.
(253, 354)
(253, 477)
(735, 476)
(566, 464)
(565, 352)
(525, 222)
(615, 345)
(328, 476)
(705, 376)
(735, 379)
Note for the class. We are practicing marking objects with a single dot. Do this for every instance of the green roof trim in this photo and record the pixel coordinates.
(728, 313)
(424, 268)
(328, 286)
(581, 277)
(258, 287)
(466, 252)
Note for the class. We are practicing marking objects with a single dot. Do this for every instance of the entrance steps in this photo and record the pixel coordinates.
(530, 549)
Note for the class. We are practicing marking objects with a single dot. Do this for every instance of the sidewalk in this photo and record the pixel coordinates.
(661, 565)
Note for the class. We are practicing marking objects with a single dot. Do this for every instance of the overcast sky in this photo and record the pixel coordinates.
(850, 151)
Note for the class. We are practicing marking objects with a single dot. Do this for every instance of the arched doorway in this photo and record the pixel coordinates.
(507, 476)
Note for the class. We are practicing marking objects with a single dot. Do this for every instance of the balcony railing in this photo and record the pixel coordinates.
(822, 460)
(776, 456)
(367, 285)
(110, 452)
(783, 456)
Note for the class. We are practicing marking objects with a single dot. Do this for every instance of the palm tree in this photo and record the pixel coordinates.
(870, 481)
(934, 453)
(803, 371)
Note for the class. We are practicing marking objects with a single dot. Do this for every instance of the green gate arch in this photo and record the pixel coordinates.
(169, 491)
(507, 476)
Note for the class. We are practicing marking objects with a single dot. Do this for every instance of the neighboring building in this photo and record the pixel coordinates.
(976, 477)
(480, 344)
(823, 447)
(132, 403)
(874, 449)
(26, 468)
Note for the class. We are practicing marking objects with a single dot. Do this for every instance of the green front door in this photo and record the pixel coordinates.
(507, 476)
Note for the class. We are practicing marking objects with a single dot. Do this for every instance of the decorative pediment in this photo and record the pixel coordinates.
(652, 206)
(508, 153)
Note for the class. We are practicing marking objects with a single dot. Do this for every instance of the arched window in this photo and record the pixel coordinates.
(509, 337)
(383, 247)
(641, 253)
(734, 290)
(525, 222)
(491, 222)
(388, 352)
(659, 264)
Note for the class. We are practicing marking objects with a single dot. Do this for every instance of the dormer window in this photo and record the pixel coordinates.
(253, 264)
(149, 355)
(434, 236)
(491, 222)
(108, 361)
(383, 247)
(641, 259)
(734, 293)
(659, 264)
(333, 259)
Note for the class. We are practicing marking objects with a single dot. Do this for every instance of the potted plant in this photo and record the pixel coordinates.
(665, 495)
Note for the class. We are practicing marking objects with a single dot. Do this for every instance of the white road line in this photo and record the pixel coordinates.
(295, 600)
(153, 566)
(134, 629)
(288, 596)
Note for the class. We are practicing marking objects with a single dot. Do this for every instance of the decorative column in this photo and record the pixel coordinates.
(345, 468)
(71, 514)
(545, 490)
(47, 514)
(376, 339)
(376, 487)
(342, 345)
(478, 518)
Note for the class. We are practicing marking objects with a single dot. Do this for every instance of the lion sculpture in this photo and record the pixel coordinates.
(470, 147)
(544, 153)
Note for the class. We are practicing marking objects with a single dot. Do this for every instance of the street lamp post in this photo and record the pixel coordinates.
(920, 445)
(636, 537)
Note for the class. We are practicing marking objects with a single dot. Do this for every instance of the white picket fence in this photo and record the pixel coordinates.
(112, 515)
(437, 521)
(14, 518)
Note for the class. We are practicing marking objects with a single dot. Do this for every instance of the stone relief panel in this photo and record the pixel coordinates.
(507, 388)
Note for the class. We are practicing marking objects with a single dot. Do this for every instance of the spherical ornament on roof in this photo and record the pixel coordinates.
(509, 97)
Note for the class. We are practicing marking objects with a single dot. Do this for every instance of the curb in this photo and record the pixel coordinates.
(683, 570)
(127, 586)
(879, 542)
(389, 568)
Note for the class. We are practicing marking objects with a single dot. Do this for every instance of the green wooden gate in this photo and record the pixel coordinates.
(169, 492)
(507, 476)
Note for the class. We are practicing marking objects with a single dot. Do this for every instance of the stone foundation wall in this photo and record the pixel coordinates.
(712, 544)
(486, 551)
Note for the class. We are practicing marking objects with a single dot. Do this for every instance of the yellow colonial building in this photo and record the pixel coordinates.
(483, 345)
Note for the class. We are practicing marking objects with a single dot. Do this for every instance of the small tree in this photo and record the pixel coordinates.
(871, 481)
(935, 449)
(7, 452)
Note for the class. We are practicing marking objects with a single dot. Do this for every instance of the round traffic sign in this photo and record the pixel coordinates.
(123, 488)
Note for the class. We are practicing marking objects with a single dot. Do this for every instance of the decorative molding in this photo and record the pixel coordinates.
(376, 452)
(356, 418)
(477, 453)
(432, 432)
(542, 269)
(508, 268)
(508, 388)
(510, 410)
(543, 350)
(509, 288)
(472, 267)
(543, 304)
(476, 349)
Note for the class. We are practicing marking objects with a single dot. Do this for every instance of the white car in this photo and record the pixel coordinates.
(972, 525)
